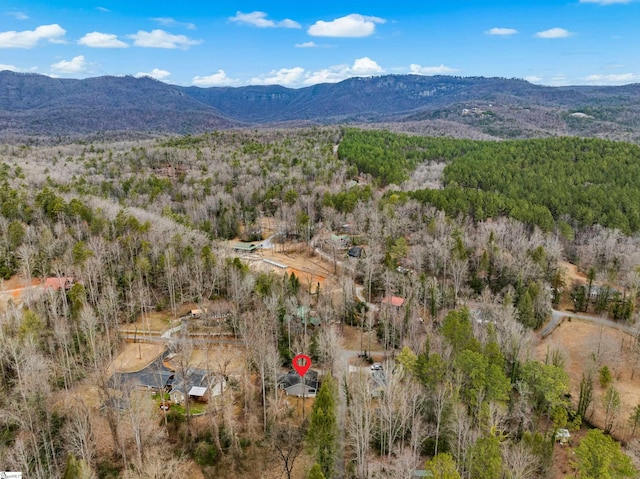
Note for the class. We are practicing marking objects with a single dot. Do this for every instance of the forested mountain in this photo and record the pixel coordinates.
(472, 106)
(36, 104)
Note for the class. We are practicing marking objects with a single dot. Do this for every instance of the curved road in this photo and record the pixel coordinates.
(558, 316)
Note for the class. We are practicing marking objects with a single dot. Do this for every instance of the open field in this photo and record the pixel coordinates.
(583, 343)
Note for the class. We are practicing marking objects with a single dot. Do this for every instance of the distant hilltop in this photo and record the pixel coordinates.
(32, 104)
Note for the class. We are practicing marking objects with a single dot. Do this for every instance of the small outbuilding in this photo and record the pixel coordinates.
(244, 247)
(198, 393)
(58, 283)
(393, 301)
(563, 436)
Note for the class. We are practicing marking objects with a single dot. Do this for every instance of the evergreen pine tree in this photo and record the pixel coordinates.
(322, 432)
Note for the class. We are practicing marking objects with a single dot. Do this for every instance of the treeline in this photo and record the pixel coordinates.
(539, 182)
(391, 157)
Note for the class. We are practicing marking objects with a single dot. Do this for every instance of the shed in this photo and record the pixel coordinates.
(199, 393)
(197, 313)
(355, 252)
(58, 283)
(244, 247)
(393, 301)
(563, 436)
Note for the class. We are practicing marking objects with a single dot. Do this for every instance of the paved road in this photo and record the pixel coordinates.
(558, 316)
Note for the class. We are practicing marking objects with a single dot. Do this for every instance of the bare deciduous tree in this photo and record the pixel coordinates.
(519, 461)
(360, 421)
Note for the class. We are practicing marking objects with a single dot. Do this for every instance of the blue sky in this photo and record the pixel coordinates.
(298, 44)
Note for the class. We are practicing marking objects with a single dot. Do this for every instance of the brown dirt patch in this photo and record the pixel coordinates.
(135, 356)
(309, 267)
(154, 322)
(230, 359)
(352, 336)
(571, 273)
(580, 341)
(307, 278)
(571, 276)
(15, 288)
(296, 403)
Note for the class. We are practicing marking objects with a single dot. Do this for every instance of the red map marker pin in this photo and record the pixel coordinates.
(301, 363)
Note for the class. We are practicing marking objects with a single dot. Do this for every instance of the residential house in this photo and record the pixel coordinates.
(293, 384)
(184, 382)
(155, 377)
(198, 384)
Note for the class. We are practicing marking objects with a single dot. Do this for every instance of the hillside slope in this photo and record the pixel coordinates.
(494, 107)
(40, 105)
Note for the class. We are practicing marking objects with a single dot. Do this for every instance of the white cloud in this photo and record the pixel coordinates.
(606, 2)
(439, 70)
(554, 33)
(162, 39)
(306, 45)
(533, 79)
(156, 73)
(11, 68)
(19, 15)
(31, 38)
(361, 67)
(103, 9)
(284, 76)
(613, 79)
(75, 65)
(365, 66)
(260, 20)
(353, 25)
(216, 79)
(170, 22)
(297, 76)
(288, 23)
(102, 40)
(501, 31)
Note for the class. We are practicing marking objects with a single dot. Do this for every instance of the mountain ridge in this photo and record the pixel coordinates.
(37, 104)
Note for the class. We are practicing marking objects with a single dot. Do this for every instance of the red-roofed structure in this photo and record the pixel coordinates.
(393, 301)
(58, 283)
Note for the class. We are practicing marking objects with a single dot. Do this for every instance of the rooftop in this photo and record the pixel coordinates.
(393, 300)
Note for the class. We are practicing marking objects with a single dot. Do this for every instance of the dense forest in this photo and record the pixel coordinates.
(466, 387)
(542, 182)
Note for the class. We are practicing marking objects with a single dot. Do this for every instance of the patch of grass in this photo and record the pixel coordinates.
(195, 408)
